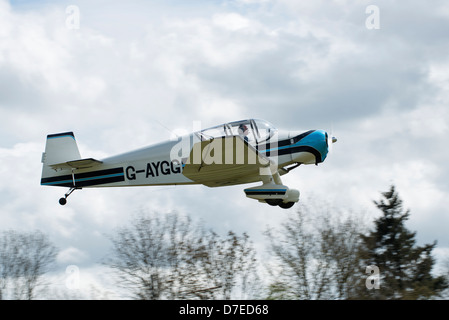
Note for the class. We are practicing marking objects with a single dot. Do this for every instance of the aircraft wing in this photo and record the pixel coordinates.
(76, 164)
(224, 161)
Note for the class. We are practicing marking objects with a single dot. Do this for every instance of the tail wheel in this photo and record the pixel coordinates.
(63, 201)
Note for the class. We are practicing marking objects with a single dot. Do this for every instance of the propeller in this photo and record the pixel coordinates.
(330, 141)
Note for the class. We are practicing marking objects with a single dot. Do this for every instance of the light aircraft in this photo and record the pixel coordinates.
(233, 153)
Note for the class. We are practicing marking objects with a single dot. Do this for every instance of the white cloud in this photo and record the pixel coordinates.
(231, 21)
(429, 122)
(71, 255)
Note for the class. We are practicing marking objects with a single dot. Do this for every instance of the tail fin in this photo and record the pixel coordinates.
(60, 147)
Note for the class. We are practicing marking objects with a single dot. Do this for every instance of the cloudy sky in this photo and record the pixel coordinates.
(123, 75)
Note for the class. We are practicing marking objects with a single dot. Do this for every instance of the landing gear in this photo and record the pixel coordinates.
(273, 192)
(287, 205)
(280, 203)
(63, 201)
(273, 202)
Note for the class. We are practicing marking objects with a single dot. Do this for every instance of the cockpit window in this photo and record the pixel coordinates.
(243, 128)
(250, 130)
(214, 132)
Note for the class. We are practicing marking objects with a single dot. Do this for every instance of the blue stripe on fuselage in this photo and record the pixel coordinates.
(315, 140)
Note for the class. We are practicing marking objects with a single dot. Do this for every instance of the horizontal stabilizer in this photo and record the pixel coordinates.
(76, 164)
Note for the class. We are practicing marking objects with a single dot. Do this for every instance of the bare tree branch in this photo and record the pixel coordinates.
(168, 257)
(24, 258)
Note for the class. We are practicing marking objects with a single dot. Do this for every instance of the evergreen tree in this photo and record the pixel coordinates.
(404, 268)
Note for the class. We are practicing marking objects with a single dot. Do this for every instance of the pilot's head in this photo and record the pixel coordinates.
(243, 129)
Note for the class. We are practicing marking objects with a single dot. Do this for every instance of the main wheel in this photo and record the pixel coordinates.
(62, 201)
(273, 202)
(287, 205)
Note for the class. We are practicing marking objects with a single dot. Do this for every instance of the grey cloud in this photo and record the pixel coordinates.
(334, 71)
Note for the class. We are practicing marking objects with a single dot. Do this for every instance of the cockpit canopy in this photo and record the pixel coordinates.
(253, 130)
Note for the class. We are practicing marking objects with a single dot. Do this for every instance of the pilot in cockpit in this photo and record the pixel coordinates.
(243, 132)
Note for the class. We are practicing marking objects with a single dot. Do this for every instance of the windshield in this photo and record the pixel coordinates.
(265, 130)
